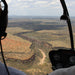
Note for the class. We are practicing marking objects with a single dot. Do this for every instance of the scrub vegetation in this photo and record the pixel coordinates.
(29, 41)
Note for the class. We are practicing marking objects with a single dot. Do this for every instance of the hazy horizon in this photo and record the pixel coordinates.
(21, 16)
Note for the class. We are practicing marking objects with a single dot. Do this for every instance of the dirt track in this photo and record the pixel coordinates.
(44, 56)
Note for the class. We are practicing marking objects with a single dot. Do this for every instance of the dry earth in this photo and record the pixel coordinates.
(17, 49)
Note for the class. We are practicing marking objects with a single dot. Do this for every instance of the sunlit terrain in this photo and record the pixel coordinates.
(29, 41)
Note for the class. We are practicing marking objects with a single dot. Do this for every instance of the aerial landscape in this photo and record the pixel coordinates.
(30, 39)
(34, 29)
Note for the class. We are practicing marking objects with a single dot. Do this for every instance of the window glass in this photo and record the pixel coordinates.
(34, 29)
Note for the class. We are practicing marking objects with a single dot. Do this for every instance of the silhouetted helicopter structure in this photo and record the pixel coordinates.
(64, 58)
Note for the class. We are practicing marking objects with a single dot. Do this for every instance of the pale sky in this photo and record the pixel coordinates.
(39, 7)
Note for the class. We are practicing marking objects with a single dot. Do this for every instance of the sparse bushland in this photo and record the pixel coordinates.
(30, 40)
